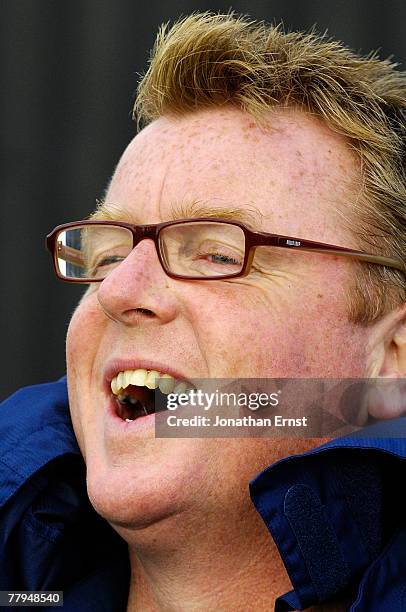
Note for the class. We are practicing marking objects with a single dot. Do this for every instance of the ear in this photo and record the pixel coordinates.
(387, 366)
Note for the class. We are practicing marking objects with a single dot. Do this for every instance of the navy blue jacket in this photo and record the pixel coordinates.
(336, 513)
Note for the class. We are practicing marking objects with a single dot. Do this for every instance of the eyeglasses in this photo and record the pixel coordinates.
(193, 249)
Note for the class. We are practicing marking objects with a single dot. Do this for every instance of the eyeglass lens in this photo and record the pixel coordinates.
(193, 250)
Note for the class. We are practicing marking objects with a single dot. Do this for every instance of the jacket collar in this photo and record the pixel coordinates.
(323, 509)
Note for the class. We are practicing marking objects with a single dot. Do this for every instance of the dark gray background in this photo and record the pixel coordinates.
(68, 72)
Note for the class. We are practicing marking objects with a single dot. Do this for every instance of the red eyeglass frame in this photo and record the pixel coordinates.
(252, 239)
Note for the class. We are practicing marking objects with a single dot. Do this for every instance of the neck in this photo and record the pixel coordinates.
(180, 564)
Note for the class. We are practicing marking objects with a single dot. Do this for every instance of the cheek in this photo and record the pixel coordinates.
(249, 336)
(82, 342)
(84, 332)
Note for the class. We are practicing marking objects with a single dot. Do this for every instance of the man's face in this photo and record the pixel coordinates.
(287, 318)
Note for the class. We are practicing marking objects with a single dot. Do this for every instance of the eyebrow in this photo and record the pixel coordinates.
(108, 211)
(251, 217)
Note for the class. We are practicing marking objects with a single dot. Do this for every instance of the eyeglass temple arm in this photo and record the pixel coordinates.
(289, 242)
(69, 254)
(318, 247)
(375, 259)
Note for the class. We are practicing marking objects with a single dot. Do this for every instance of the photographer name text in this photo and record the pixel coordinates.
(245, 421)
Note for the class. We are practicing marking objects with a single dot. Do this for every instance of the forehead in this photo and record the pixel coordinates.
(291, 175)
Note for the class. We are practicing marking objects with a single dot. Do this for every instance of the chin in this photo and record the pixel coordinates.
(125, 506)
(135, 496)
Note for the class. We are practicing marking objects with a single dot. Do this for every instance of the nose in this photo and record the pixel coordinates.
(138, 289)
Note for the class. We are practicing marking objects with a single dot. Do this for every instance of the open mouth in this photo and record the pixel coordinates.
(136, 402)
(138, 393)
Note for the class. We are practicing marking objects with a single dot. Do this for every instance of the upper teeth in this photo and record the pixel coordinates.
(147, 378)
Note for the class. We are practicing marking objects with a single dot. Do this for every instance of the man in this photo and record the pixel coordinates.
(286, 134)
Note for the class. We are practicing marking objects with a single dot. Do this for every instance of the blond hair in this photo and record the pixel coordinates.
(208, 60)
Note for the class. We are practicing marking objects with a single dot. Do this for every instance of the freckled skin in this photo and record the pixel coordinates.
(287, 319)
(200, 319)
